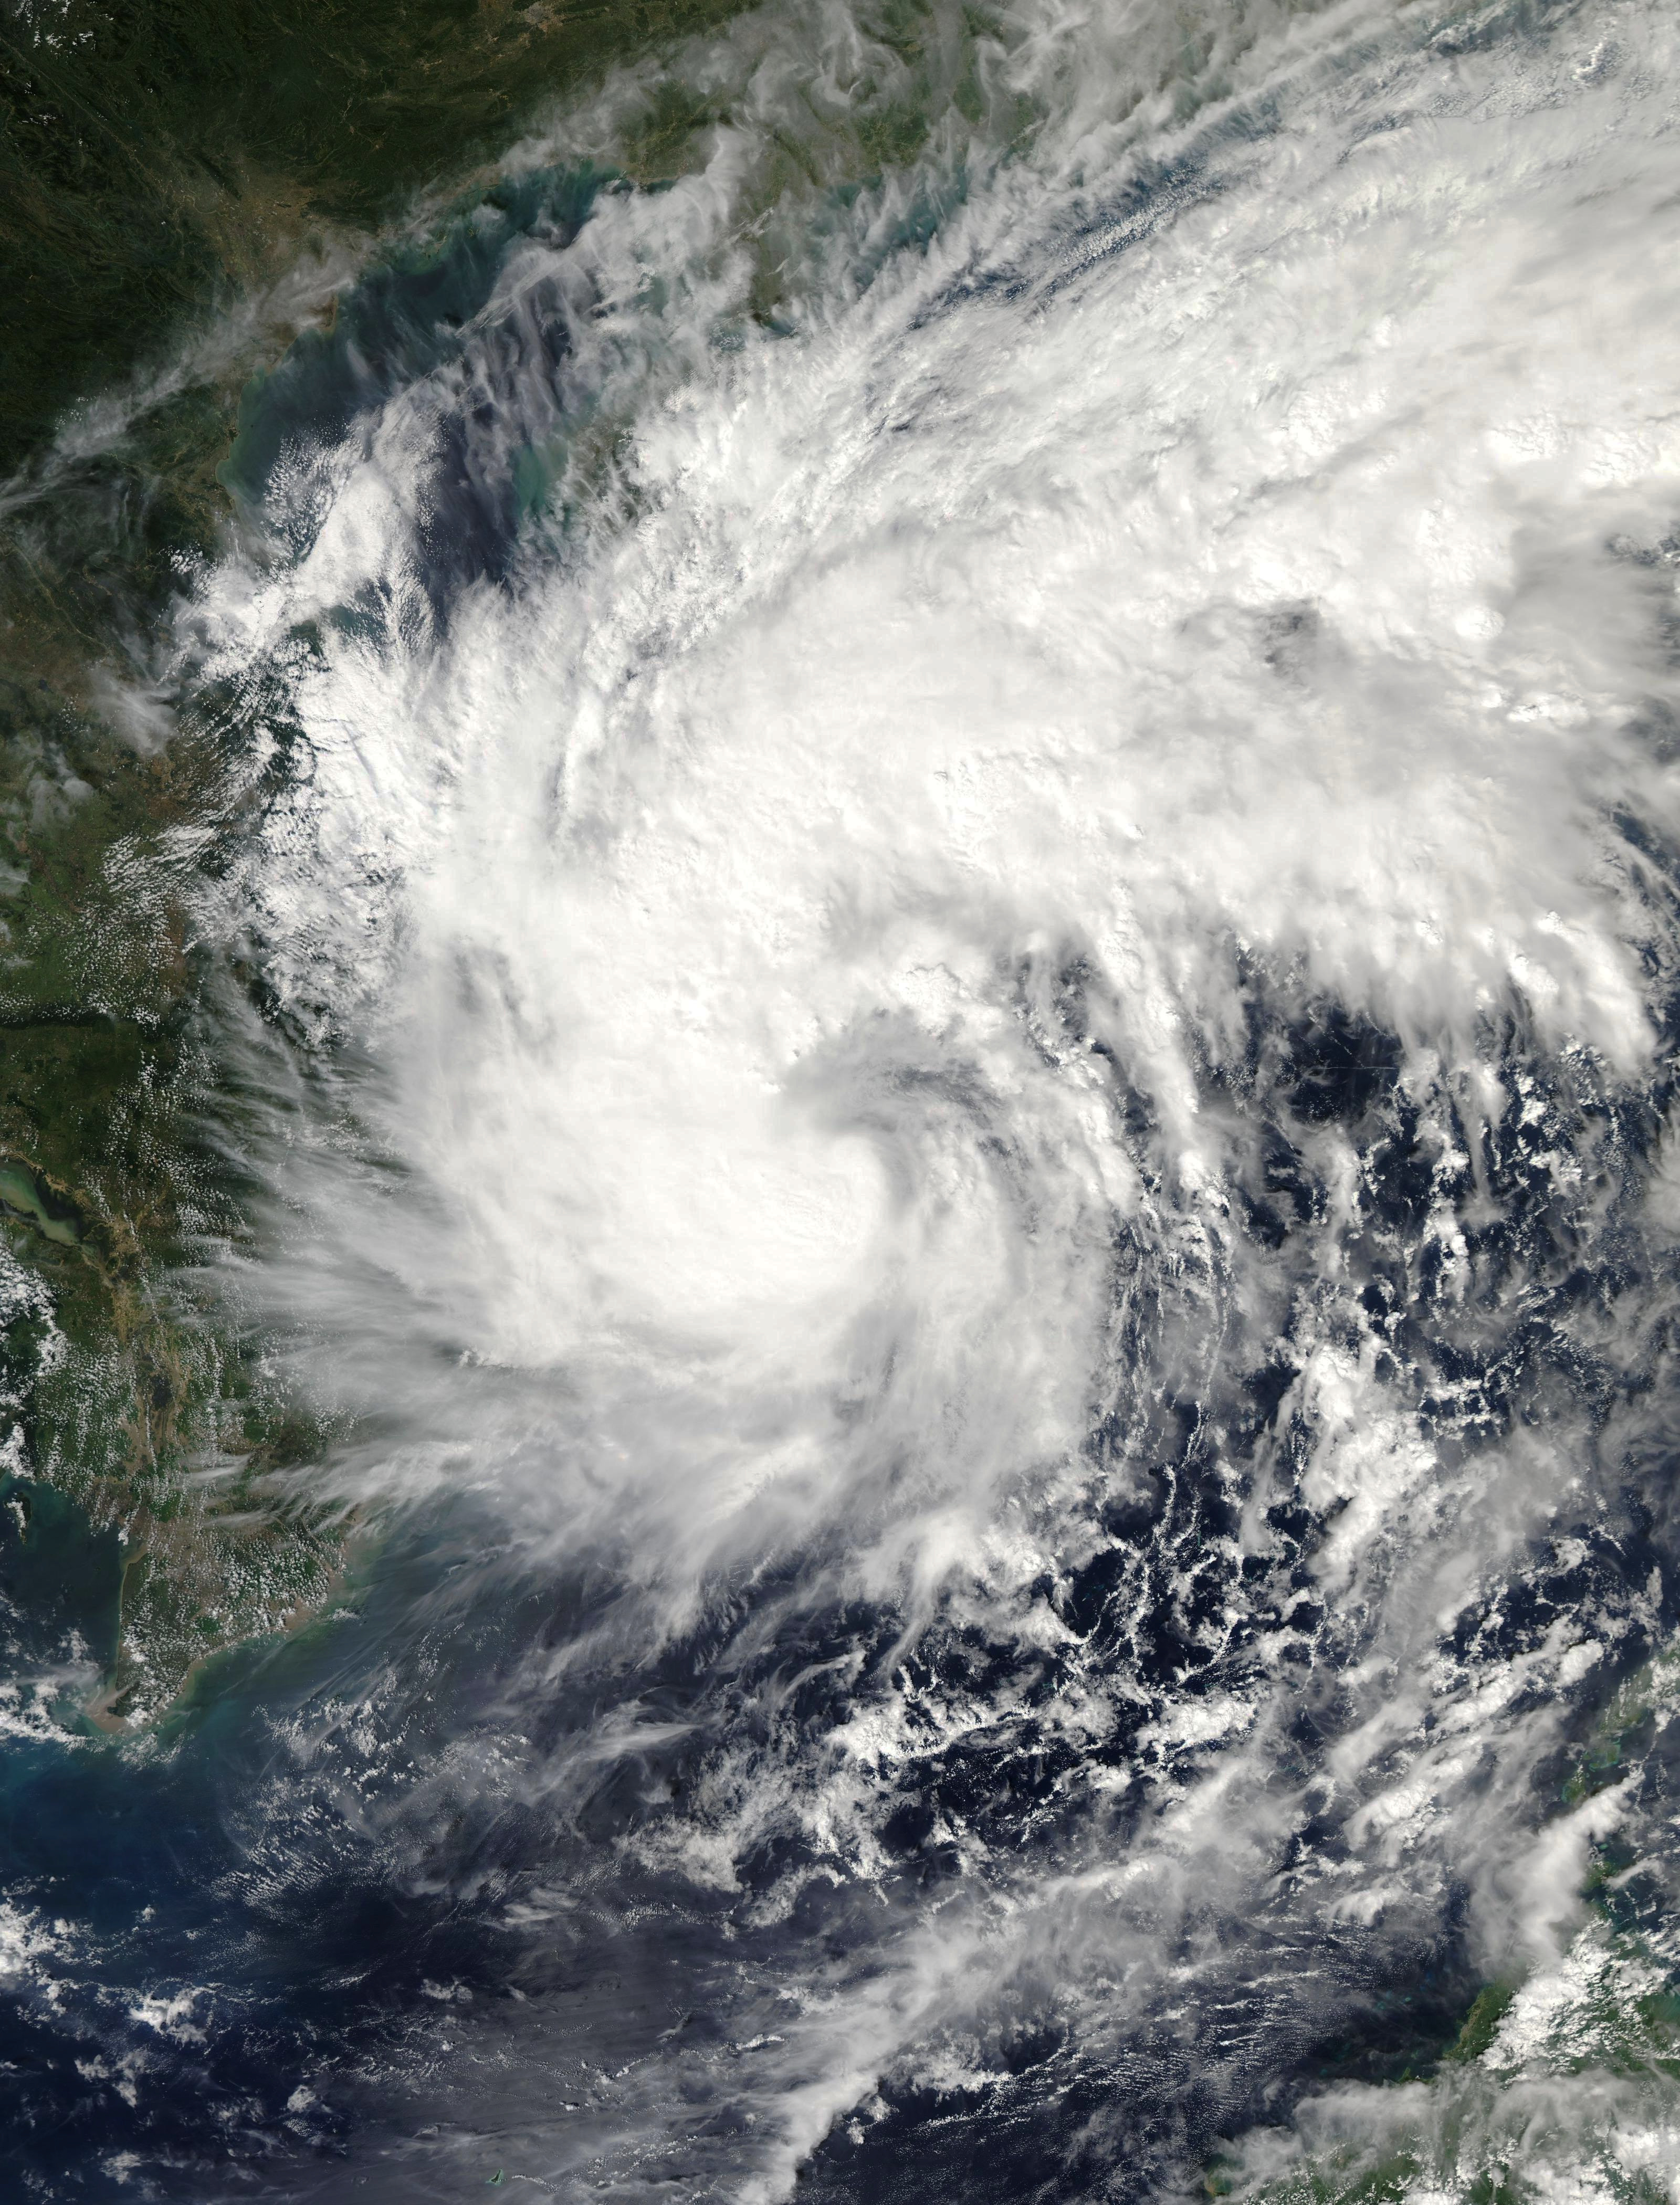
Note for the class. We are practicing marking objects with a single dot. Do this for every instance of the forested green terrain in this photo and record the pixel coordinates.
(163, 167)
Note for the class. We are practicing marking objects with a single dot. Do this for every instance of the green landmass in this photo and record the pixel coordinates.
(159, 158)
(189, 192)
(161, 165)
(145, 1409)
(1481, 2023)
(1497, 2122)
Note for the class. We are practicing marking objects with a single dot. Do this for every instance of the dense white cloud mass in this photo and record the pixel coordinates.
(1001, 987)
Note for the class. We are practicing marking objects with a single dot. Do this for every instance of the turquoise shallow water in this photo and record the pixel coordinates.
(955, 1084)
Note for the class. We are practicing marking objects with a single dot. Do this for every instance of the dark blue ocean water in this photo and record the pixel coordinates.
(415, 1901)
(355, 1920)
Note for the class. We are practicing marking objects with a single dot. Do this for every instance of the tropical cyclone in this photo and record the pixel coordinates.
(964, 939)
